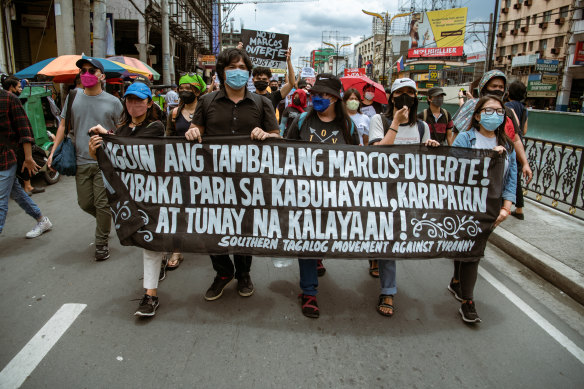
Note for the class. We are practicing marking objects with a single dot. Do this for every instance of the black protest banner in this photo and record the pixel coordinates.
(265, 48)
(288, 199)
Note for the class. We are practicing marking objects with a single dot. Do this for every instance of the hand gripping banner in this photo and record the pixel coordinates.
(293, 199)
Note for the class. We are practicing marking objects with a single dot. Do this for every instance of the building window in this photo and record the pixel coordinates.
(534, 20)
(505, 26)
(517, 24)
(527, 19)
(543, 45)
(524, 47)
(547, 16)
(508, 3)
(559, 41)
(514, 49)
(502, 51)
(531, 46)
(564, 12)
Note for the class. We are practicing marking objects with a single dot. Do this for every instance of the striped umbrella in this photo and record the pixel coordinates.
(64, 69)
(137, 64)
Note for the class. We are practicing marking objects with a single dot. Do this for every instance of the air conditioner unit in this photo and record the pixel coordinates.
(505, 10)
(502, 34)
(519, 54)
(537, 52)
(514, 32)
(560, 21)
(555, 50)
(517, 5)
(524, 28)
(527, 3)
(543, 25)
(509, 56)
(499, 58)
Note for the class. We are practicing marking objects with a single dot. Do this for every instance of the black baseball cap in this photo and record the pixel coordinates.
(143, 79)
(92, 61)
(327, 83)
(436, 91)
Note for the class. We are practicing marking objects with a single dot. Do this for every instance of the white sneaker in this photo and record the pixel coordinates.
(43, 226)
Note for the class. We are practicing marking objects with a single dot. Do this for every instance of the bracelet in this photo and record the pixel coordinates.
(393, 129)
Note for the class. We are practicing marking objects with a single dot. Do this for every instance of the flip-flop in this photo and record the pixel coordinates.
(382, 304)
(309, 306)
(373, 271)
(178, 257)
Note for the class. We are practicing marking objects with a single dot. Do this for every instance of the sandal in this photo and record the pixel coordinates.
(320, 269)
(374, 268)
(309, 306)
(382, 304)
(174, 261)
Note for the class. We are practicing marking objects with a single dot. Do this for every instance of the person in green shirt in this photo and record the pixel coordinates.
(158, 98)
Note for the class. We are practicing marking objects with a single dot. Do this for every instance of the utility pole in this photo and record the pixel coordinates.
(385, 51)
(493, 29)
(165, 43)
(82, 35)
(99, 9)
(64, 27)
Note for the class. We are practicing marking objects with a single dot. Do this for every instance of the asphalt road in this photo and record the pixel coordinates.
(532, 336)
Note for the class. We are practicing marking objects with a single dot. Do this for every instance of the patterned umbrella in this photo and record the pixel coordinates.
(64, 68)
(137, 64)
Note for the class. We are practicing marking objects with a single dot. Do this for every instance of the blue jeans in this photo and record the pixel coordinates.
(308, 276)
(387, 276)
(10, 187)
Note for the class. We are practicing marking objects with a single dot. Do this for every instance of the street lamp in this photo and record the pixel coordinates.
(387, 24)
(337, 47)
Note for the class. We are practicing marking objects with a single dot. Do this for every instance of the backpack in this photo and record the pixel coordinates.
(303, 116)
(444, 113)
(386, 124)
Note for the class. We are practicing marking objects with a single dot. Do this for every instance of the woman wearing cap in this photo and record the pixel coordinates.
(191, 86)
(139, 119)
(399, 125)
(326, 122)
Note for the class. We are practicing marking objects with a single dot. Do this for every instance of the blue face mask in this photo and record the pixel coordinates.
(236, 78)
(491, 122)
(320, 104)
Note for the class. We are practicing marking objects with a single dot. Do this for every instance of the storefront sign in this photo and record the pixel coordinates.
(547, 65)
(524, 60)
(541, 89)
(435, 52)
(350, 72)
(579, 54)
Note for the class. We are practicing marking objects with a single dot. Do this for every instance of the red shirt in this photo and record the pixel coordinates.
(509, 128)
(15, 128)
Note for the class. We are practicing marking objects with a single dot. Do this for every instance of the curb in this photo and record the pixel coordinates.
(563, 277)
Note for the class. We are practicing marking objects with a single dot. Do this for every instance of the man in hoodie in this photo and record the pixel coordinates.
(494, 82)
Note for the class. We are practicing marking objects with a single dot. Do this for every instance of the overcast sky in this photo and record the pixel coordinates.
(305, 21)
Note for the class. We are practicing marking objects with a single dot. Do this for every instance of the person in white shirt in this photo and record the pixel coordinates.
(399, 125)
(352, 100)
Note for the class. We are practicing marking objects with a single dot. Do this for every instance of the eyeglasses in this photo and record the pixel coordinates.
(188, 74)
(490, 111)
(90, 70)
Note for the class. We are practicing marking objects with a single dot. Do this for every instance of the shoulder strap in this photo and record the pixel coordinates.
(68, 118)
(352, 127)
(421, 129)
(425, 114)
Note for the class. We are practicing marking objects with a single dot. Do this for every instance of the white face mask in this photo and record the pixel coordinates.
(369, 95)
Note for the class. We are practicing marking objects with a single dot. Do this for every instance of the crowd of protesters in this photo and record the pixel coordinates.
(294, 109)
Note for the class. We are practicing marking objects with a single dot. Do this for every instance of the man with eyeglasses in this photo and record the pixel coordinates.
(90, 107)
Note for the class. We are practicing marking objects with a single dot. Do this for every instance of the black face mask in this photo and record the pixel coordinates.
(404, 100)
(187, 97)
(274, 88)
(497, 92)
(260, 85)
(296, 101)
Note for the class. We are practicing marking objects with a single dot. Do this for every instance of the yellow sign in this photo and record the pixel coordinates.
(432, 67)
(429, 86)
(448, 26)
(279, 71)
(433, 75)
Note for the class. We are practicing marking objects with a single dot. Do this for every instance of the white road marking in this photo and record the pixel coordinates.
(23, 364)
(562, 339)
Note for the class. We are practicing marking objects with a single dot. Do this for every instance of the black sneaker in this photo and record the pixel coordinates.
(101, 252)
(163, 265)
(147, 306)
(216, 289)
(244, 285)
(468, 312)
(455, 289)
(320, 269)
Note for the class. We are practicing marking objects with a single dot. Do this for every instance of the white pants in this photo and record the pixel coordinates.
(152, 263)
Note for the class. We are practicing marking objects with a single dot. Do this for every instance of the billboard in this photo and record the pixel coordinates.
(437, 33)
(579, 54)
(349, 72)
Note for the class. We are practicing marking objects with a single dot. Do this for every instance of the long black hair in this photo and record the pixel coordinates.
(502, 138)
(342, 120)
(151, 115)
(412, 116)
(228, 56)
(350, 92)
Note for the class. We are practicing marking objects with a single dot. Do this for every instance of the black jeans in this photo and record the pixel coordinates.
(224, 267)
(466, 273)
(519, 196)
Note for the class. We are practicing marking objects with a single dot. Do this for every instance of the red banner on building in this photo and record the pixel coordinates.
(579, 54)
(436, 52)
(350, 72)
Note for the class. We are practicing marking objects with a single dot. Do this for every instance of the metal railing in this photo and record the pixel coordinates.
(557, 175)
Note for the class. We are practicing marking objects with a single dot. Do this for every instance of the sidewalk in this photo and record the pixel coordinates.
(550, 243)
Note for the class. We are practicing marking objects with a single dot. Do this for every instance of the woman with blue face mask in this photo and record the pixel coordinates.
(326, 122)
(487, 132)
